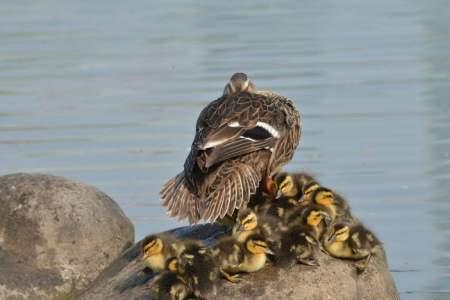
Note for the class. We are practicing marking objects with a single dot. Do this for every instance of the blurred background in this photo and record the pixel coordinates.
(108, 94)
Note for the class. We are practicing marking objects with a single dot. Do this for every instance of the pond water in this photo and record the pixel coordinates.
(108, 94)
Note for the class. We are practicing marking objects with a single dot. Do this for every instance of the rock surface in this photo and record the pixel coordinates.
(56, 235)
(334, 279)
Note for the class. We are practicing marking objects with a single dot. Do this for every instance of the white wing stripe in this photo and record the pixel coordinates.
(269, 128)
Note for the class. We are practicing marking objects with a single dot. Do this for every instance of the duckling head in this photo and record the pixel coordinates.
(314, 218)
(173, 265)
(179, 291)
(309, 189)
(192, 253)
(341, 233)
(323, 196)
(238, 83)
(285, 185)
(257, 244)
(151, 246)
(170, 285)
(246, 220)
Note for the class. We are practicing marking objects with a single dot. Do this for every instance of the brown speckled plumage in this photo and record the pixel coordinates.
(240, 139)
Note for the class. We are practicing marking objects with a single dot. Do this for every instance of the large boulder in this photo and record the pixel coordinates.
(334, 279)
(56, 235)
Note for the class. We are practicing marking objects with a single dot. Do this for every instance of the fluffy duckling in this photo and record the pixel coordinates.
(157, 249)
(281, 207)
(256, 248)
(314, 218)
(308, 190)
(171, 286)
(196, 265)
(228, 253)
(291, 185)
(297, 246)
(352, 242)
(287, 193)
(249, 222)
(235, 257)
(338, 207)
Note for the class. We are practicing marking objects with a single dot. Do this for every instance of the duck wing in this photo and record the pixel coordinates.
(233, 183)
(239, 139)
(238, 125)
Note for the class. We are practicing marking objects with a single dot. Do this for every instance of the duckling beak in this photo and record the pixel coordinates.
(237, 228)
(332, 238)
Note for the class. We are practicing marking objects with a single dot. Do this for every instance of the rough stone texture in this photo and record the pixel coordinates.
(334, 279)
(56, 235)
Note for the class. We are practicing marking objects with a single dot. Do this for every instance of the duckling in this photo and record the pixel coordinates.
(336, 204)
(239, 83)
(249, 222)
(171, 286)
(281, 207)
(235, 257)
(262, 200)
(291, 185)
(314, 218)
(196, 265)
(156, 249)
(308, 189)
(228, 252)
(297, 246)
(354, 242)
(259, 203)
(256, 248)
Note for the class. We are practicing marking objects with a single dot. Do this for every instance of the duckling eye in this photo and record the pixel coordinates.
(340, 234)
(283, 184)
(342, 231)
(150, 245)
(250, 219)
(260, 244)
(286, 182)
(328, 195)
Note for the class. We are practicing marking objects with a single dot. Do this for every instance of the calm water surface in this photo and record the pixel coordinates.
(108, 93)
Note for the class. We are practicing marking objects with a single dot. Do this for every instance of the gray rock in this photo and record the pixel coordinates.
(56, 235)
(334, 279)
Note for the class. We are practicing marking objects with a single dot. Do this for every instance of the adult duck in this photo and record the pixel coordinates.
(241, 139)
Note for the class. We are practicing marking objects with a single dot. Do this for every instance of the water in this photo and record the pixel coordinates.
(108, 93)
